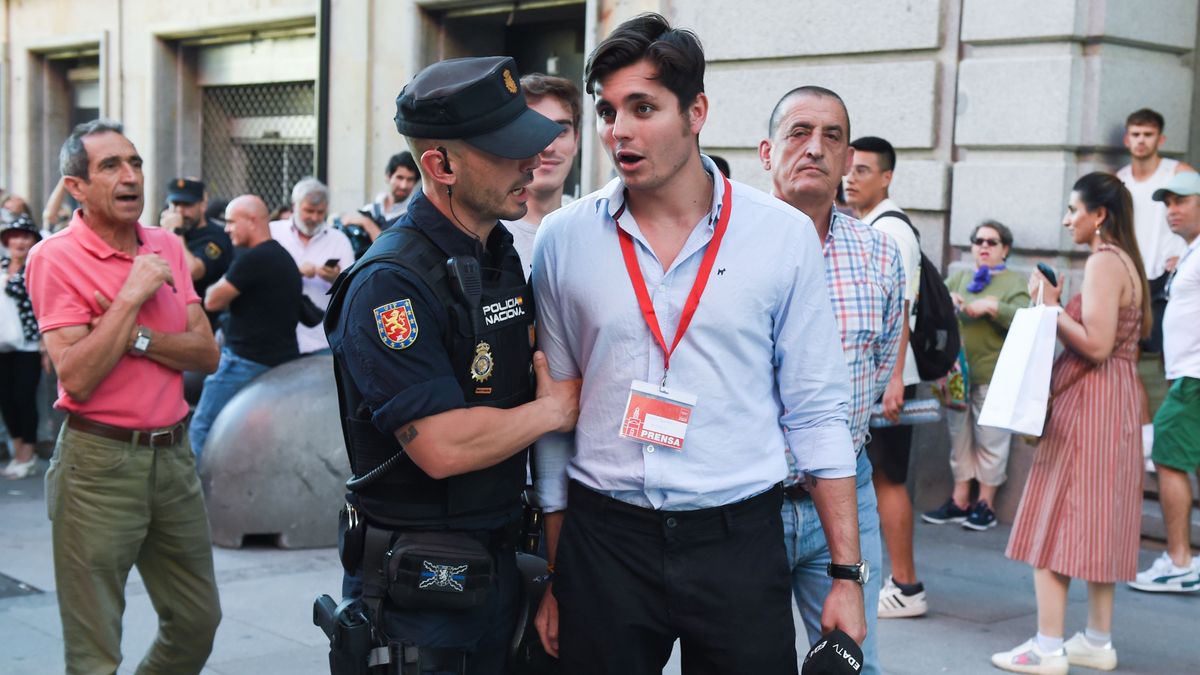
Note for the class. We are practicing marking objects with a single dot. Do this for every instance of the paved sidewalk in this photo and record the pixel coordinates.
(980, 603)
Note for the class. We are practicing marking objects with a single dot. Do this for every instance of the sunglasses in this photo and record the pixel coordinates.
(985, 242)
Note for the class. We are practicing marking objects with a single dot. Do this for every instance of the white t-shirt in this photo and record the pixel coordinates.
(522, 234)
(1181, 340)
(910, 256)
(1155, 239)
(325, 244)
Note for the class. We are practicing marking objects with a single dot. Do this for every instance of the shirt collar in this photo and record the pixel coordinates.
(424, 216)
(92, 243)
(880, 209)
(611, 197)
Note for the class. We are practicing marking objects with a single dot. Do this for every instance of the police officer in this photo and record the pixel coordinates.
(432, 343)
(206, 246)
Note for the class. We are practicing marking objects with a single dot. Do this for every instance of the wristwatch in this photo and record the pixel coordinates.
(860, 572)
(142, 342)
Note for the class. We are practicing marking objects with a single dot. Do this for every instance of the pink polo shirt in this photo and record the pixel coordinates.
(62, 274)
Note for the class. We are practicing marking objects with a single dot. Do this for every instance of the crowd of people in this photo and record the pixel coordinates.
(646, 506)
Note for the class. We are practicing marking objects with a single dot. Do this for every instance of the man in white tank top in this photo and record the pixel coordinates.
(1148, 172)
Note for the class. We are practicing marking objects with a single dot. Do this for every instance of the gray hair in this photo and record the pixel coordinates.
(310, 190)
(73, 158)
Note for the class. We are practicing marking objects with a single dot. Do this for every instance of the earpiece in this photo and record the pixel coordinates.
(445, 160)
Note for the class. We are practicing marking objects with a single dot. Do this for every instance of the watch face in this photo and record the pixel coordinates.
(141, 343)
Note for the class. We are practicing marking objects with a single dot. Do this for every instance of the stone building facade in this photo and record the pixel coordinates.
(994, 108)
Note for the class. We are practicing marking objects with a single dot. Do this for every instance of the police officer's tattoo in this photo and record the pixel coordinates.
(406, 435)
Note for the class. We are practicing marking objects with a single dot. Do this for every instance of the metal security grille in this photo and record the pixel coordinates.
(258, 139)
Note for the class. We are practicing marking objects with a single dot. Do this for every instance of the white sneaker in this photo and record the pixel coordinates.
(1080, 652)
(1027, 658)
(894, 604)
(1165, 577)
(18, 470)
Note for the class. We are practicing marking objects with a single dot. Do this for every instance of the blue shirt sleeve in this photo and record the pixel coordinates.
(399, 385)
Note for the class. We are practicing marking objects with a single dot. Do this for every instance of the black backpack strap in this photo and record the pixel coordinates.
(901, 216)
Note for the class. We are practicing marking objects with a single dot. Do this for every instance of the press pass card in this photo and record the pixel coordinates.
(657, 415)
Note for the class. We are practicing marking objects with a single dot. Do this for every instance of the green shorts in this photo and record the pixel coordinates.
(1177, 427)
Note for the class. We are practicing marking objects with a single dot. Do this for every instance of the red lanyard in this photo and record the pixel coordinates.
(693, 299)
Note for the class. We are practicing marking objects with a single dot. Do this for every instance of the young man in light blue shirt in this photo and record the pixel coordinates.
(695, 311)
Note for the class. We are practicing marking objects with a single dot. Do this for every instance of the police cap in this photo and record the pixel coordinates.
(477, 100)
(185, 191)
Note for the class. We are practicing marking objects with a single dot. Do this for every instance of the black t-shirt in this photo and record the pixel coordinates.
(212, 247)
(262, 319)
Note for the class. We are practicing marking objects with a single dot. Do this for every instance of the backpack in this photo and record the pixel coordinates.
(934, 340)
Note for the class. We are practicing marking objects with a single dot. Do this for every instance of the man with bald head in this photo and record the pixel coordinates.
(262, 291)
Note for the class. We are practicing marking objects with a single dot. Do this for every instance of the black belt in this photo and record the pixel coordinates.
(585, 500)
(151, 438)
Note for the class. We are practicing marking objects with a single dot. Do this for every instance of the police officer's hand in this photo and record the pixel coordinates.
(170, 220)
(148, 274)
(547, 621)
(562, 395)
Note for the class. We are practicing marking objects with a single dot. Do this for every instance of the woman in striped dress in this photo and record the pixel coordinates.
(1080, 515)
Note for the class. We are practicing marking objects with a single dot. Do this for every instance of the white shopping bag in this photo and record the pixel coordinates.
(1020, 387)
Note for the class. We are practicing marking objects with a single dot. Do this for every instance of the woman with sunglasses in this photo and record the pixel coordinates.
(986, 298)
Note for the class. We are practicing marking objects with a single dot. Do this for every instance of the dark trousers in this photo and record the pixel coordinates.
(629, 581)
(1158, 307)
(19, 375)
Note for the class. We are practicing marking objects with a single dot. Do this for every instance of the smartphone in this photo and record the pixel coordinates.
(332, 262)
(1048, 272)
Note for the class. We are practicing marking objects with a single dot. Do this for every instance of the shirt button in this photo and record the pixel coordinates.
(671, 522)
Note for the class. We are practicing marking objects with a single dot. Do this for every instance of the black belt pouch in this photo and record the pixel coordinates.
(439, 570)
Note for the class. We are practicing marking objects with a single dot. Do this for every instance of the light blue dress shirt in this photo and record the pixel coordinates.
(762, 354)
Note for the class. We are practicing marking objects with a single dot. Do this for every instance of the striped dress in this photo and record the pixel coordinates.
(1081, 511)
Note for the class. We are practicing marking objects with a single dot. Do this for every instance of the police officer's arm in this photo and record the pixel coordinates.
(170, 220)
(469, 439)
(195, 265)
(220, 295)
(391, 340)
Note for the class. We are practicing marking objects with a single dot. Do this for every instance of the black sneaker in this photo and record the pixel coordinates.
(981, 517)
(946, 513)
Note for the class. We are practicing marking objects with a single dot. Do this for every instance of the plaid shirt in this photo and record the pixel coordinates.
(865, 278)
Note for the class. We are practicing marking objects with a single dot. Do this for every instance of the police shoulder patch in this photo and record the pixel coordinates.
(397, 324)
(212, 250)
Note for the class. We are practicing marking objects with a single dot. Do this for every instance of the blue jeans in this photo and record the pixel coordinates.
(808, 554)
(232, 375)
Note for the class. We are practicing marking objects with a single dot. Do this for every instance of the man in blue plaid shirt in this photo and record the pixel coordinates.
(808, 152)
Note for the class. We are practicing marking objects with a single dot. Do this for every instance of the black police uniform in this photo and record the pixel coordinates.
(406, 347)
(211, 246)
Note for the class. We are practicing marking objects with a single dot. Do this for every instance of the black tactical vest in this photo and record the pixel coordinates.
(499, 376)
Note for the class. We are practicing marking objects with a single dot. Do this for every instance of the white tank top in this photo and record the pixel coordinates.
(1155, 239)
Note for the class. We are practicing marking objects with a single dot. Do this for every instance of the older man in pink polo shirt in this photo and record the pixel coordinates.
(120, 319)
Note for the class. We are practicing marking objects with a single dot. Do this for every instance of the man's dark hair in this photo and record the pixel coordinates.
(676, 54)
(1146, 117)
(806, 90)
(879, 146)
(73, 158)
(722, 164)
(402, 159)
(539, 86)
